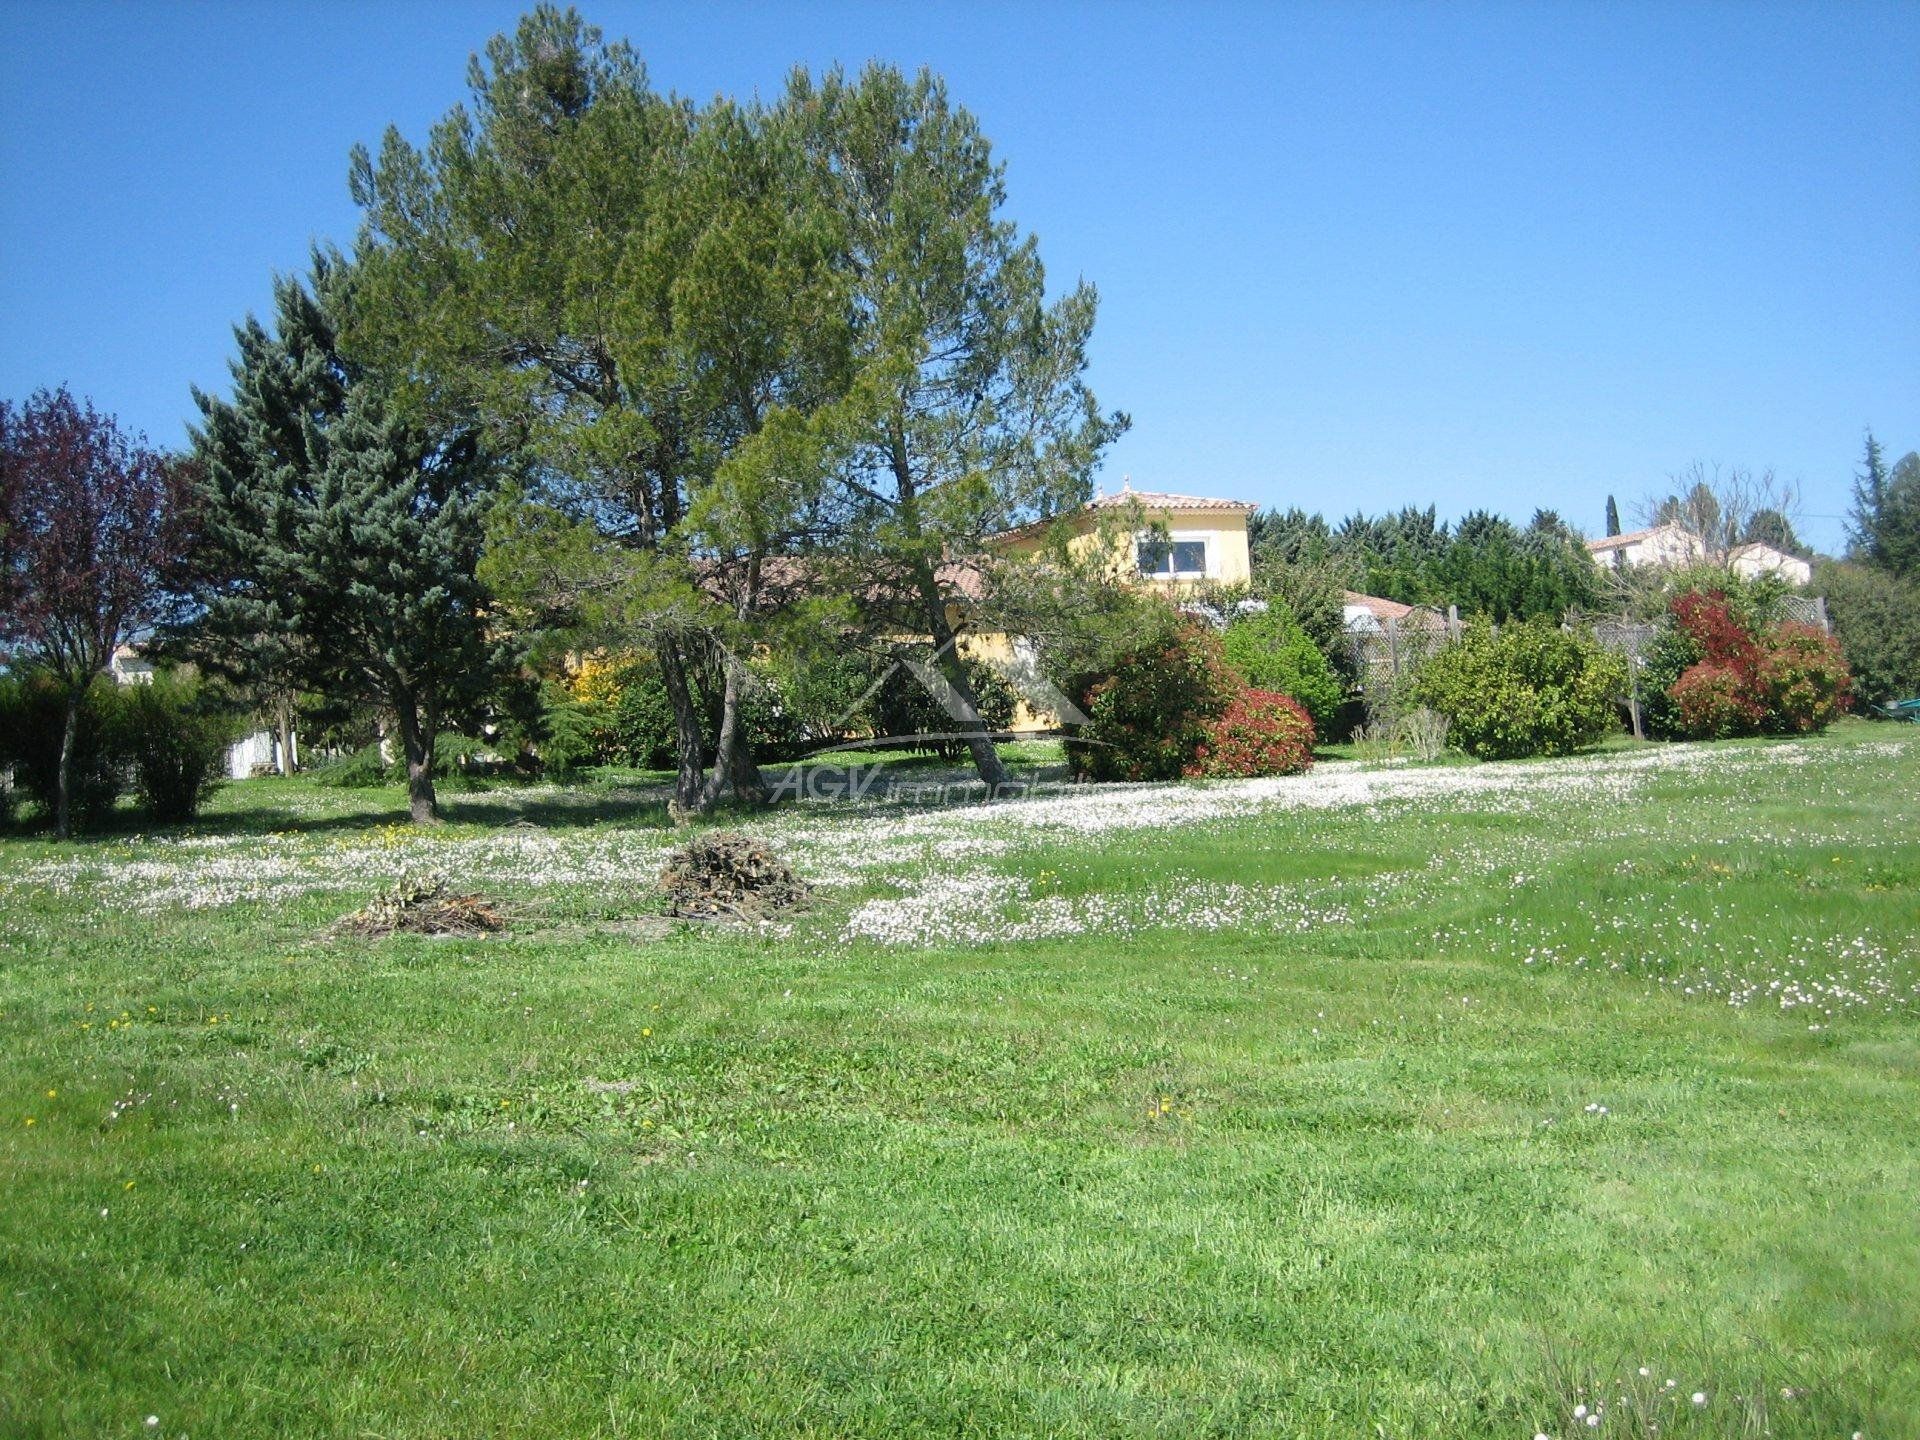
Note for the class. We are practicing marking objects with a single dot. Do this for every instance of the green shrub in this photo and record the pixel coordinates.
(454, 754)
(1261, 732)
(1274, 653)
(33, 716)
(1670, 655)
(177, 742)
(1714, 674)
(904, 706)
(1803, 679)
(1148, 716)
(1712, 701)
(816, 698)
(361, 769)
(1876, 616)
(640, 729)
(1529, 689)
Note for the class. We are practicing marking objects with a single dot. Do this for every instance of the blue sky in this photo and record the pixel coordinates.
(1349, 256)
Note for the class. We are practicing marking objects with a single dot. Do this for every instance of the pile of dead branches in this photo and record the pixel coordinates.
(423, 905)
(719, 875)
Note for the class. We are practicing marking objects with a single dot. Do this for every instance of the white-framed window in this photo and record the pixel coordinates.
(1180, 555)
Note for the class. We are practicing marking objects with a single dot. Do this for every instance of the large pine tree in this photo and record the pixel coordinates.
(339, 541)
(968, 411)
(640, 291)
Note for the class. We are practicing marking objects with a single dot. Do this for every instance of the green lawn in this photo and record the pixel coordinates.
(1387, 1101)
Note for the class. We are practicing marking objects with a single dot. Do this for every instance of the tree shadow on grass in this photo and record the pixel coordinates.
(345, 812)
(871, 786)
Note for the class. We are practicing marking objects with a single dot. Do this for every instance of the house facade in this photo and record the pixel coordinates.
(1155, 538)
(1671, 545)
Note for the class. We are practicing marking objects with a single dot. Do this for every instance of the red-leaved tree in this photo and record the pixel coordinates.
(91, 526)
(1784, 679)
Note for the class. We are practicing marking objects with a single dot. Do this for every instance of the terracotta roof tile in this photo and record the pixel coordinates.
(1167, 500)
(1380, 607)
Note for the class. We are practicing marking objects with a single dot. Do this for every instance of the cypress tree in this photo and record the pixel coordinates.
(340, 540)
(1613, 517)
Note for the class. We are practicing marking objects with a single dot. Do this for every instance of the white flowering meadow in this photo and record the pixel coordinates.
(975, 874)
(1558, 1098)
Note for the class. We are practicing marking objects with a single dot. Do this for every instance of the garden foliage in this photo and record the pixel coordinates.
(1272, 650)
(1530, 688)
(165, 740)
(1720, 671)
(175, 741)
(1150, 714)
(1260, 732)
(33, 710)
(1876, 617)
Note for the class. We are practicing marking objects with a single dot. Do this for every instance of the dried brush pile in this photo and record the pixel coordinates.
(721, 875)
(423, 905)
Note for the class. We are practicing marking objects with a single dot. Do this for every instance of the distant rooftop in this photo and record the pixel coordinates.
(1165, 500)
(1632, 537)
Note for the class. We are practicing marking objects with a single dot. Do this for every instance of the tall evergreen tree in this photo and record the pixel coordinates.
(1772, 527)
(967, 411)
(1869, 496)
(640, 292)
(340, 540)
(1898, 531)
(1884, 528)
(1613, 517)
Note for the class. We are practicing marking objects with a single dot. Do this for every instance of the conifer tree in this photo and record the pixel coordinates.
(967, 411)
(339, 541)
(1884, 527)
(636, 289)
(1869, 495)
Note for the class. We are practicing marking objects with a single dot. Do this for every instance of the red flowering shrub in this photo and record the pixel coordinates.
(1261, 733)
(1789, 678)
(1804, 679)
(1708, 620)
(1148, 715)
(1715, 701)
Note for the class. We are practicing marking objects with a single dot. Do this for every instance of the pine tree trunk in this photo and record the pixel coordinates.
(689, 748)
(725, 743)
(63, 780)
(284, 716)
(733, 764)
(416, 740)
(979, 739)
(748, 783)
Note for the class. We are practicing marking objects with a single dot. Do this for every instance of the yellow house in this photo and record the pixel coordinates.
(1155, 539)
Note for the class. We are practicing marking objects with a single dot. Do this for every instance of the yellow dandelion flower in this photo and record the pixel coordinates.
(52, 1094)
